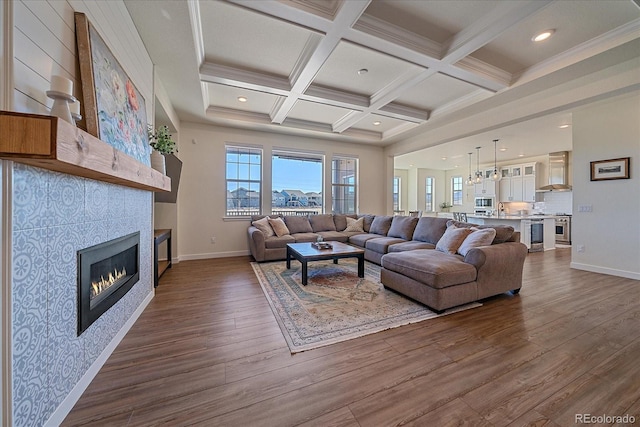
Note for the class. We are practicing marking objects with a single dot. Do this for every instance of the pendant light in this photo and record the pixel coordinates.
(469, 180)
(478, 178)
(496, 176)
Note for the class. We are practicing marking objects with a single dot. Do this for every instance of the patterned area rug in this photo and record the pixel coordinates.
(336, 305)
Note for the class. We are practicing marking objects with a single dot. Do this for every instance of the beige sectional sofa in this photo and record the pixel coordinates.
(419, 256)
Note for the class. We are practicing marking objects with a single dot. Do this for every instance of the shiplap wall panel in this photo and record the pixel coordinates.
(31, 84)
(59, 29)
(25, 104)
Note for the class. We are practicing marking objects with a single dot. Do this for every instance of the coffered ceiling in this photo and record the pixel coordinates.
(372, 72)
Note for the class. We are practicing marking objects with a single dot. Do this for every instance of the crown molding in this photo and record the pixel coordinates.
(397, 35)
(196, 28)
(222, 74)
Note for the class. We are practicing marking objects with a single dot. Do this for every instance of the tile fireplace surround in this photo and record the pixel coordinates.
(55, 215)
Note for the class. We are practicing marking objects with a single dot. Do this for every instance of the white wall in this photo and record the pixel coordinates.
(202, 195)
(610, 234)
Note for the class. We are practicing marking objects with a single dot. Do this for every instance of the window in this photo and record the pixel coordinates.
(296, 183)
(456, 190)
(244, 178)
(429, 184)
(396, 193)
(343, 185)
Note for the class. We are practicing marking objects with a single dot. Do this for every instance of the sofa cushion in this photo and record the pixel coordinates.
(368, 219)
(304, 237)
(279, 227)
(340, 220)
(503, 232)
(381, 244)
(298, 224)
(452, 239)
(381, 225)
(477, 238)
(403, 227)
(411, 246)
(275, 242)
(433, 268)
(361, 239)
(430, 229)
(322, 222)
(335, 236)
(354, 225)
(264, 226)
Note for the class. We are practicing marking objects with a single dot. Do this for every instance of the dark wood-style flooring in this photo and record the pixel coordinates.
(207, 351)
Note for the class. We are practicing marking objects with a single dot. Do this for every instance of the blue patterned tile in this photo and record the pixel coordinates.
(30, 356)
(66, 199)
(97, 200)
(116, 198)
(29, 196)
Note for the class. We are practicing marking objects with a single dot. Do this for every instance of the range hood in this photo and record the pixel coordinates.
(558, 172)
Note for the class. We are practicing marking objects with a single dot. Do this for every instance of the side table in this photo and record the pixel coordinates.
(159, 267)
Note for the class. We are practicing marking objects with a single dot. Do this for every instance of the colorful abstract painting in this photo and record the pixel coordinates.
(122, 118)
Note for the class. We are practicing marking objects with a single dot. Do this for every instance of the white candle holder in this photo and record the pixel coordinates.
(60, 107)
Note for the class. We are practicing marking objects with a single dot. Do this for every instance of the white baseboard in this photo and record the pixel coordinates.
(69, 402)
(605, 270)
(190, 257)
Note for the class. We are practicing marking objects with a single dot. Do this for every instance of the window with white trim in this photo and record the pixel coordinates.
(344, 184)
(429, 196)
(243, 180)
(456, 191)
(296, 183)
(396, 193)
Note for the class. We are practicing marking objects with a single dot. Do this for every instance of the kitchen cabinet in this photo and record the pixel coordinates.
(487, 188)
(518, 183)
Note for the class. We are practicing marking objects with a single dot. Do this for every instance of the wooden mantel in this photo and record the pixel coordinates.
(51, 143)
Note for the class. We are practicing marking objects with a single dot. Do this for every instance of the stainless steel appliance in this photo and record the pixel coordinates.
(533, 234)
(563, 229)
(484, 205)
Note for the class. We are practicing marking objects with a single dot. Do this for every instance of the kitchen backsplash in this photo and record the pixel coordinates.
(558, 202)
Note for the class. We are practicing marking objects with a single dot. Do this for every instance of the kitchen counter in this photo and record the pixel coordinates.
(518, 222)
(512, 217)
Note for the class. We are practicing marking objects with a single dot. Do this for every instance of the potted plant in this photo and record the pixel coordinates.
(161, 142)
(445, 206)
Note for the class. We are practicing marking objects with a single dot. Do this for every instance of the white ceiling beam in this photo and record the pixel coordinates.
(346, 17)
(488, 27)
(384, 96)
(246, 79)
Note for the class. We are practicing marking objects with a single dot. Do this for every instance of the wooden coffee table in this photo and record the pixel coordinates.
(304, 253)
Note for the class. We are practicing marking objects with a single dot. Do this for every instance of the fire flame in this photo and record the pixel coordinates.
(103, 284)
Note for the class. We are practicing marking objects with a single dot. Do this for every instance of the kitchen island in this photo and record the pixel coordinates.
(522, 223)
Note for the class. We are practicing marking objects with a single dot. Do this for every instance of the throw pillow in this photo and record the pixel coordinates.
(264, 226)
(279, 227)
(478, 237)
(402, 227)
(381, 225)
(452, 239)
(322, 222)
(298, 224)
(355, 225)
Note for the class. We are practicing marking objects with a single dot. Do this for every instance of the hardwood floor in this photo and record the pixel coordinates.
(207, 351)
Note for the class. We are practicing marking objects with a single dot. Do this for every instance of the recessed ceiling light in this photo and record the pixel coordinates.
(520, 155)
(564, 126)
(443, 158)
(503, 149)
(362, 71)
(242, 99)
(543, 35)
(377, 123)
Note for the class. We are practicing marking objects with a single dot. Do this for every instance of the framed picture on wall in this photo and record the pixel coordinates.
(114, 109)
(602, 170)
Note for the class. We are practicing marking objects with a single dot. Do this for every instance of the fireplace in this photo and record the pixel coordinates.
(106, 272)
